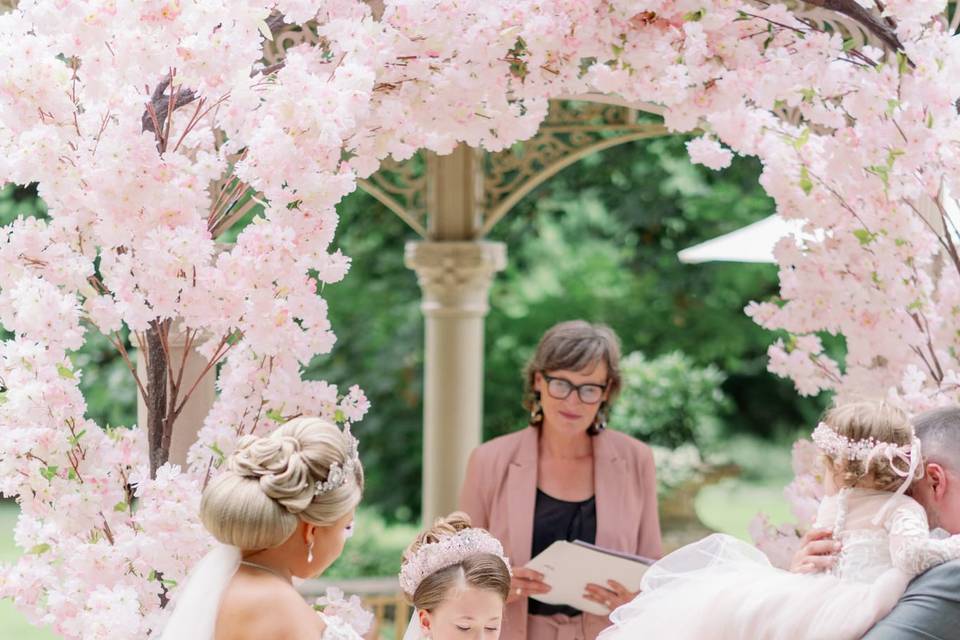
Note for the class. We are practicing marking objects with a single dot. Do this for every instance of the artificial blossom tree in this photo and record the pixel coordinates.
(152, 126)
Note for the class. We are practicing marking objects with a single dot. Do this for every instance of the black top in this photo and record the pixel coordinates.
(561, 520)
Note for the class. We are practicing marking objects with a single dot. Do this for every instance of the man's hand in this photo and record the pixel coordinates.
(818, 552)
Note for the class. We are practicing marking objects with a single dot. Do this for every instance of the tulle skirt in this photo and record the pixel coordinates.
(723, 589)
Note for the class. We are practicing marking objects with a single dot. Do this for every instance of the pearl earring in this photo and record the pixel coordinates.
(310, 552)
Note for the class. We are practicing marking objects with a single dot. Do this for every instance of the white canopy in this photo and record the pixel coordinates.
(753, 243)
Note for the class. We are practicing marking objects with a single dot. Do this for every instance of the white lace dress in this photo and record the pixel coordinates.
(724, 589)
(194, 615)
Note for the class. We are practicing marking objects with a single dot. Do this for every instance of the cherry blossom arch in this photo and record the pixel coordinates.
(148, 126)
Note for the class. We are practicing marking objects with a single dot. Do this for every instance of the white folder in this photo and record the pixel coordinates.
(569, 566)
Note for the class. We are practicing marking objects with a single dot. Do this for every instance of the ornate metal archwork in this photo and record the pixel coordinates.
(287, 36)
(572, 130)
(402, 188)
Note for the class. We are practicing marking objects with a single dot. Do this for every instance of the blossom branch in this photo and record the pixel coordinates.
(160, 108)
(156, 398)
(117, 342)
(852, 9)
(824, 369)
(222, 349)
(75, 458)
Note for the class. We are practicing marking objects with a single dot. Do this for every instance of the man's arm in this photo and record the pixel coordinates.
(929, 610)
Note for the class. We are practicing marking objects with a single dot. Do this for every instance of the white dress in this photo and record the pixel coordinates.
(194, 615)
(724, 589)
(337, 629)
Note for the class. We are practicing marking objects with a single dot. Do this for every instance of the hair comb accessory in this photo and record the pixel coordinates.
(447, 552)
(338, 474)
(833, 444)
(867, 450)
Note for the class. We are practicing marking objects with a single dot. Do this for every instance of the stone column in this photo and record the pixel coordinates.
(201, 401)
(455, 278)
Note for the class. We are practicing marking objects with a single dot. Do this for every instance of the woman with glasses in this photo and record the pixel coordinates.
(565, 477)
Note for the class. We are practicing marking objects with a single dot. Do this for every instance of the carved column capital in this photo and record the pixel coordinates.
(455, 277)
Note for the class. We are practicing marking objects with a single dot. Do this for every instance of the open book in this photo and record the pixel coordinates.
(569, 566)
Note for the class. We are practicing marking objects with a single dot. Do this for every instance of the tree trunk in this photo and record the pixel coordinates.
(158, 429)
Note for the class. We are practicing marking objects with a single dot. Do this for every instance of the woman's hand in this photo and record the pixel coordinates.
(525, 583)
(611, 596)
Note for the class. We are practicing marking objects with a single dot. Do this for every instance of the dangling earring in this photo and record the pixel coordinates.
(600, 422)
(536, 413)
(310, 552)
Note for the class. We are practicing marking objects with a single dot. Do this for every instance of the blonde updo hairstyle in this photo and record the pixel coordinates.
(481, 571)
(861, 421)
(269, 484)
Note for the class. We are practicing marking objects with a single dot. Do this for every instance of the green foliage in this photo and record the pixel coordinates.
(106, 382)
(599, 242)
(670, 401)
(375, 548)
(375, 313)
(16, 201)
(677, 467)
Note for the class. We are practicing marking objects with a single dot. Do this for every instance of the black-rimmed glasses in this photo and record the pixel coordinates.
(561, 388)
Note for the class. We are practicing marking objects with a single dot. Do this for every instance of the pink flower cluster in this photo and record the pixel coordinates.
(804, 494)
(857, 142)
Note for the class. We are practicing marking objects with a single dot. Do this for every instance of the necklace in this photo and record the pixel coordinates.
(265, 568)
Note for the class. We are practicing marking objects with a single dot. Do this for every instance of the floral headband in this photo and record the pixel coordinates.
(338, 473)
(447, 552)
(867, 449)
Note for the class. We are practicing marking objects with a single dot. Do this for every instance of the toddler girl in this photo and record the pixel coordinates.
(722, 588)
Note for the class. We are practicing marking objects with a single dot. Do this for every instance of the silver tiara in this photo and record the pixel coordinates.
(338, 474)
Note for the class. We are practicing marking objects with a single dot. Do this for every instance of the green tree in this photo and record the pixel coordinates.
(599, 242)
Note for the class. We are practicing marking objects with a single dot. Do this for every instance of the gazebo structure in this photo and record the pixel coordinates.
(452, 202)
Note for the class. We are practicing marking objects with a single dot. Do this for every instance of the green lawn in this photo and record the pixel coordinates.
(730, 505)
(12, 624)
(765, 469)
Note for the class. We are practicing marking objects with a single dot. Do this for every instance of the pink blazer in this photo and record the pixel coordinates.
(500, 491)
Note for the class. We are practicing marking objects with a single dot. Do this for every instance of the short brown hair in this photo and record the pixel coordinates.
(481, 571)
(575, 345)
(863, 420)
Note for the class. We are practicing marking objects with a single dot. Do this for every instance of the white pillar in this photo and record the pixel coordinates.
(201, 401)
(455, 278)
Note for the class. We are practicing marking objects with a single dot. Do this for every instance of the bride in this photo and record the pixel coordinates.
(282, 509)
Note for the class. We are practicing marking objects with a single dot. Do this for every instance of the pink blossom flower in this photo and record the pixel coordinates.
(709, 153)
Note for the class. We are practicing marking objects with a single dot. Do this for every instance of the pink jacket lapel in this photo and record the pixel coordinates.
(522, 497)
(609, 476)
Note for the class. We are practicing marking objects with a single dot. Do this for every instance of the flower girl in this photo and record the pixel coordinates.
(722, 588)
(457, 578)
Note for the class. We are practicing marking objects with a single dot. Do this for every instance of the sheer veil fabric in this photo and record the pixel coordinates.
(414, 632)
(725, 589)
(195, 614)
